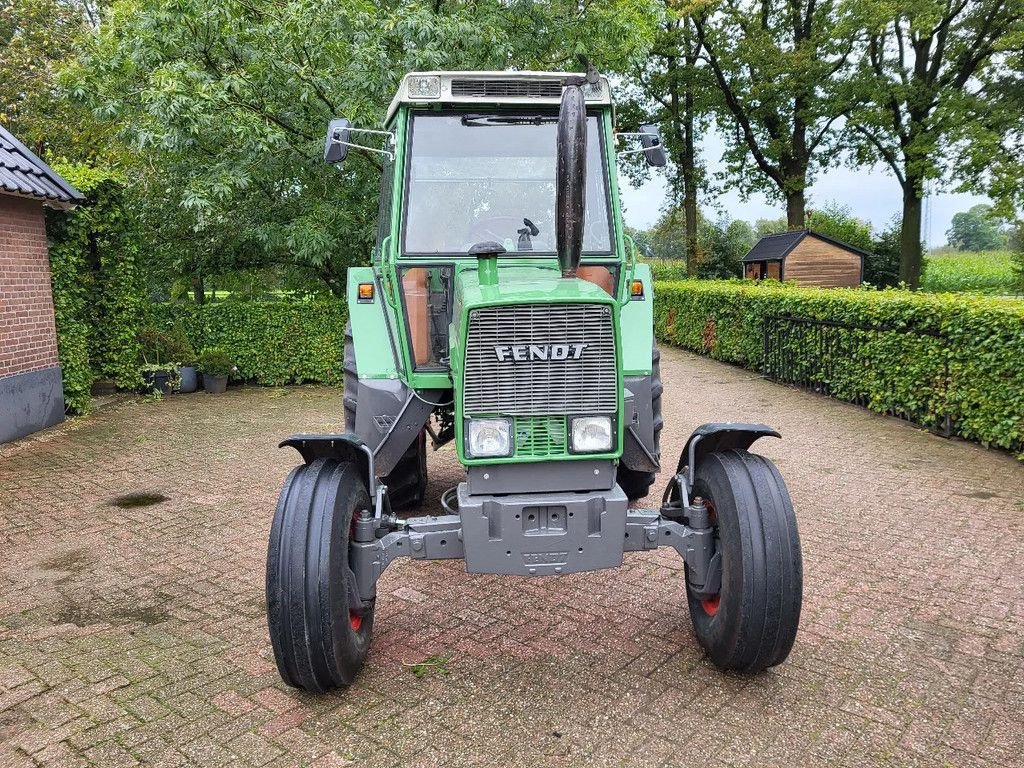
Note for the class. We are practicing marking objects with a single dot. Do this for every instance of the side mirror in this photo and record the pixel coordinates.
(339, 135)
(654, 149)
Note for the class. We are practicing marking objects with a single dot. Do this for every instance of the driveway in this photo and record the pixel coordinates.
(132, 618)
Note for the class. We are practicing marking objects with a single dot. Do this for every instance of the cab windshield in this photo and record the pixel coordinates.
(491, 176)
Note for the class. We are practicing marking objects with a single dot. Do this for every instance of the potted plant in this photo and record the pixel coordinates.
(216, 366)
(181, 350)
(158, 373)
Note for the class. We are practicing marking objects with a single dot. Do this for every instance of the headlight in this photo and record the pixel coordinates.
(489, 437)
(591, 434)
(424, 87)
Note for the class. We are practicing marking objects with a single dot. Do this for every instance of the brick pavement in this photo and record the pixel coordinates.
(135, 634)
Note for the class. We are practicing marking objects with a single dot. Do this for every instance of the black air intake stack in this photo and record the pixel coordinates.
(570, 176)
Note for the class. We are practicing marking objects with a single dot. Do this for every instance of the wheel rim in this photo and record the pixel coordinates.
(710, 605)
(355, 620)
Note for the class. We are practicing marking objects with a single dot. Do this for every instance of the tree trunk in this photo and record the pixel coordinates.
(911, 256)
(795, 210)
(198, 288)
(689, 154)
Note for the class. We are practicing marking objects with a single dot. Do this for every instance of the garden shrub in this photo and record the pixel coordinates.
(270, 342)
(980, 339)
(96, 287)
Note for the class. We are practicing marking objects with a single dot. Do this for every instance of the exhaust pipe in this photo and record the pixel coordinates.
(570, 178)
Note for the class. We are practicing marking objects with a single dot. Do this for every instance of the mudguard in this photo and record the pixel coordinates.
(719, 436)
(342, 446)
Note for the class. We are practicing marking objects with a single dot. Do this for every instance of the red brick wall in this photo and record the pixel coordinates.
(28, 339)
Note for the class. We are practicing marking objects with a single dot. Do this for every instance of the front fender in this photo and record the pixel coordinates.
(341, 446)
(719, 436)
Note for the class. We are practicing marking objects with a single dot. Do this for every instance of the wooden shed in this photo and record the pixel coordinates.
(805, 258)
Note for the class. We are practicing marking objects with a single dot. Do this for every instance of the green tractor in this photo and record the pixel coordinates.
(504, 310)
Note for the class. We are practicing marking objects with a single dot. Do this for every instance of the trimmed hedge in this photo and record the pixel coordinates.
(980, 339)
(270, 342)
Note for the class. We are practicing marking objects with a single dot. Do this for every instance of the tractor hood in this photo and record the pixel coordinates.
(525, 285)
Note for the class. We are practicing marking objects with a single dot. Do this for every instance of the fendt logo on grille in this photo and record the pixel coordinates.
(522, 353)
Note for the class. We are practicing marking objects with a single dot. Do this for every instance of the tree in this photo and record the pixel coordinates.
(723, 244)
(882, 265)
(776, 66)
(226, 104)
(1017, 256)
(672, 90)
(836, 221)
(976, 230)
(36, 38)
(919, 90)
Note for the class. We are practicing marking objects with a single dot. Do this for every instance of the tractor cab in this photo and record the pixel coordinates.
(474, 255)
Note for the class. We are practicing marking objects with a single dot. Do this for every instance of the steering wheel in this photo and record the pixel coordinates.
(496, 228)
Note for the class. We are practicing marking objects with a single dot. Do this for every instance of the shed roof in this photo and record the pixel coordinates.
(776, 247)
(23, 174)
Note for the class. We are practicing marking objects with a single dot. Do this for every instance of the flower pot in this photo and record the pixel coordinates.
(189, 379)
(214, 384)
(103, 387)
(157, 381)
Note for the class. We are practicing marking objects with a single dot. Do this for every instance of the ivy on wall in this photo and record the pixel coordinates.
(96, 288)
(270, 342)
(964, 356)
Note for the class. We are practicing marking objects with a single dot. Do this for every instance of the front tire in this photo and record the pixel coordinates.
(319, 640)
(751, 623)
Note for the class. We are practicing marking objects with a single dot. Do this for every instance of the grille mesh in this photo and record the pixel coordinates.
(540, 436)
(540, 387)
(507, 88)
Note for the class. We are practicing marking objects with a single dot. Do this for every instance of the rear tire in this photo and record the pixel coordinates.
(319, 640)
(407, 482)
(751, 623)
(351, 380)
(637, 484)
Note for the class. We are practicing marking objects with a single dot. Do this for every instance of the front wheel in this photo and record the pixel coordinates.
(751, 623)
(320, 638)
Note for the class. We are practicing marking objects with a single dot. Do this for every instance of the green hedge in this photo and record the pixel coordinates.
(270, 342)
(981, 340)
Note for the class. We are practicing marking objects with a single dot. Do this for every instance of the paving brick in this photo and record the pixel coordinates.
(137, 635)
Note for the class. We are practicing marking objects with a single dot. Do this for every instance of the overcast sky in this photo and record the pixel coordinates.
(872, 194)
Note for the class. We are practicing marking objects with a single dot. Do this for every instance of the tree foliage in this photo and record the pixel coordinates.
(920, 92)
(226, 103)
(976, 230)
(776, 65)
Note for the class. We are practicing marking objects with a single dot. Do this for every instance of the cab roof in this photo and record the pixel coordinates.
(505, 88)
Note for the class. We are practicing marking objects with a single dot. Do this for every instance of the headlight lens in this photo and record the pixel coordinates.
(424, 87)
(591, 434)
(489, 437)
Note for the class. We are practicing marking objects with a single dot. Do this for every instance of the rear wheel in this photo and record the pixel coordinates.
(407, 482)
(637, 484)
(751, 623)
(320, 639)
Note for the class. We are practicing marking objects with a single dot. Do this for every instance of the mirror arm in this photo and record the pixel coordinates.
(391, 141)
(388, 152)
(622, 152)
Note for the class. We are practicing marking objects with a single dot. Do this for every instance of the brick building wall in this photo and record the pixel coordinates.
(31, 392)
(28, 339)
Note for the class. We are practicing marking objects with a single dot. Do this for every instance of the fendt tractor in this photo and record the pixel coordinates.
(504, 310)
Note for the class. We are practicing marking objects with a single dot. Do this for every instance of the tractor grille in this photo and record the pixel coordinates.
(540, 436)
(540, 387)
(499, 89)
